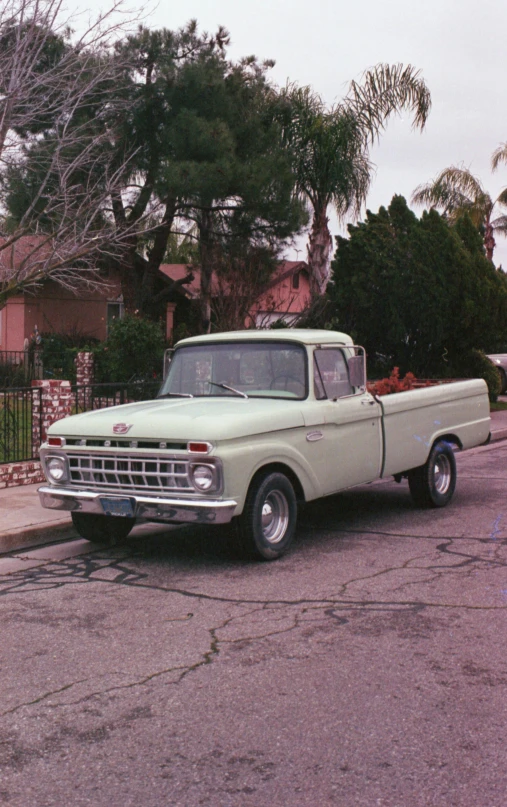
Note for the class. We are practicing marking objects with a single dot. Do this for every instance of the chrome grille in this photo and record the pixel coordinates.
(129, 472)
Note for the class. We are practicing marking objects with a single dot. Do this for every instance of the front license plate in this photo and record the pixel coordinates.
(118, 507)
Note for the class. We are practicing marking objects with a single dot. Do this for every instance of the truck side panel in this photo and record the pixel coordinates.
(413, 420)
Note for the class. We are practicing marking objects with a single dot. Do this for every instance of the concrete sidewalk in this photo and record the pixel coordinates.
(24, 523)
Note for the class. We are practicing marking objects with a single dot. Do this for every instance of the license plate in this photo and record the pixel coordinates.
(118, 507)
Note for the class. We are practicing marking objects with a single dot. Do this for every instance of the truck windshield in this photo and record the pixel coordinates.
(255, 370)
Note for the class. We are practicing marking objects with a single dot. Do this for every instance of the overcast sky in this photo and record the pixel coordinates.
(459, 46)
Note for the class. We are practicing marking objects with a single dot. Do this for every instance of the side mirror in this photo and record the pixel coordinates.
(168, 355)
(357, 371)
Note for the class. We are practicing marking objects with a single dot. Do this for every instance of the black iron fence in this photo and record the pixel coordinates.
(20, 437)
(101, 396)
(19, 367)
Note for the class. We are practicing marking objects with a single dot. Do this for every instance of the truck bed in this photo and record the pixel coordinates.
(459, 409)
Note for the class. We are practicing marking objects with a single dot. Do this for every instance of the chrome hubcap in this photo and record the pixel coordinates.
(275, 517)
(442, 474)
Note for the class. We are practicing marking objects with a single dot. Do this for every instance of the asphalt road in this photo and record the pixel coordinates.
(365, 668)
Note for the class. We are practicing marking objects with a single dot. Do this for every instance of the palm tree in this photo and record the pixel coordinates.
(330, 148)
(456, 191)
(499, 156)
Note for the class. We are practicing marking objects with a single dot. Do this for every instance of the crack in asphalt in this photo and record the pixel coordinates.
(42, 698)
(206, 658)
(330, 608)
(79, 572)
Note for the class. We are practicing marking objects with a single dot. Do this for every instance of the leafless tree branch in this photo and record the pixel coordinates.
(58, 141)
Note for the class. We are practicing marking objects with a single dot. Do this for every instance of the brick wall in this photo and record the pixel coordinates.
(84, 379)
(55, 403)
(20, 473)
(84, 369)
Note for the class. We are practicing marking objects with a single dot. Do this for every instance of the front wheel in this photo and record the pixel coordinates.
(268, 523)
(102, 529)
(432, 484)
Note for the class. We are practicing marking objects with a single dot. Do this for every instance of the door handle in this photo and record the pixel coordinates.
(368, 401)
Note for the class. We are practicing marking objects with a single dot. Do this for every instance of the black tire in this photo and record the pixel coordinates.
(432, 484)
(503, 381)
(268, 522)
(102, 529)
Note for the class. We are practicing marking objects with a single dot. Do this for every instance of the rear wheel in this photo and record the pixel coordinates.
(433, 484)
(268, 523)
(102, 529)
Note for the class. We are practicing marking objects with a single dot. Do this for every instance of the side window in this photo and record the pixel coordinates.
(114, 311)
(331, 374)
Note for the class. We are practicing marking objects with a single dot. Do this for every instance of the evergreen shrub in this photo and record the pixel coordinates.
(133, 351)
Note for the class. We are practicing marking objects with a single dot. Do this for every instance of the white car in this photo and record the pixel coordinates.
(500, 362)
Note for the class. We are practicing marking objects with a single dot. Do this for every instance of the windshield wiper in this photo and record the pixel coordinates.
(231, 389)
(176, 394)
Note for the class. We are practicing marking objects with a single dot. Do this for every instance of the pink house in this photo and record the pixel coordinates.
(287, 295)
(50, 307)
(54, 309)
(284, 298)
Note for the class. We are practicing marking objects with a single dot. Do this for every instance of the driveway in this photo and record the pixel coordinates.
(367, 667)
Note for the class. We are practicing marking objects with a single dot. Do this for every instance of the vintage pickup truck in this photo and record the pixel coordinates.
(246, 426)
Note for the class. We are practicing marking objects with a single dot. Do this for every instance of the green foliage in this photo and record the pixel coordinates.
(58, 352)
(475, 364)
(13, 375)
(456, 191)
(187, 134)
(209, 152)
(133, 350)
(182, 249)
(417, 293)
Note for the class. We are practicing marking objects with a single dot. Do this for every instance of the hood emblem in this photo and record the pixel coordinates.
(121, 428)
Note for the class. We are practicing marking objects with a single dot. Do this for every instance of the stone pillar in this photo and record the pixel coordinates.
(54, 403)
(84, 379)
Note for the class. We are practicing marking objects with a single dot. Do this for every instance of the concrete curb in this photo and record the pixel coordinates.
(499, 434)
(37, 535)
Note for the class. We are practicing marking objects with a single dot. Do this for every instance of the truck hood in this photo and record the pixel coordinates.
(210, 419)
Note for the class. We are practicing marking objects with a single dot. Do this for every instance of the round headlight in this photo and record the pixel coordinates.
(56, 468)
(203, 477)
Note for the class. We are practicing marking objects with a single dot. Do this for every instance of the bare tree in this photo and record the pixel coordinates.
(246, 288)
(59, 163)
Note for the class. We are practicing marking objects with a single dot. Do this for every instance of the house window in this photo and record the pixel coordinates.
(114, 311)
(295, 280)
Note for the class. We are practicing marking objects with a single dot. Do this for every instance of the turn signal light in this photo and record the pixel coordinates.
(199, 448)
(56, 441)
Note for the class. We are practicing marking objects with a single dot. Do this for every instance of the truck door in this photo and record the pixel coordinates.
(350, 450)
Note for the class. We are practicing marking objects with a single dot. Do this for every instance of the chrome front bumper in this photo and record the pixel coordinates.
(151, 508)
